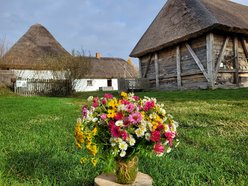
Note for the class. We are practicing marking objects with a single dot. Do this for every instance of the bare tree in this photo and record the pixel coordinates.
(3, 46)
(69, 68)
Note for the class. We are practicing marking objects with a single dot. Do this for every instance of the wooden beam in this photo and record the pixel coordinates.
(140, 68)
(222, 54)
(156, 70)
(197, 60)
(147, 67)
(236, 60)
(210, 58)
(243, 42)
(178, 58)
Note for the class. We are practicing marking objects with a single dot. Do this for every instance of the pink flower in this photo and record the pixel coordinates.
(115, 131)
(126, 121)
(124, 102)
(103, 116)
(170, 136)
(95, 102)
(135, 118)
(104, 101)
(124, 135)
(160, 126)
(158, 149)
(148, 105)
(130, 107)
(108, 96)
(155, 137)
(111, 123)
(136, 98)
(84, 111)
(118, 116)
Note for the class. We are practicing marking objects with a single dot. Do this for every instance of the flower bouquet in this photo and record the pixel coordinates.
(120, 129)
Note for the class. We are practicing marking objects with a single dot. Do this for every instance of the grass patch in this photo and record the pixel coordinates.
(37, 143)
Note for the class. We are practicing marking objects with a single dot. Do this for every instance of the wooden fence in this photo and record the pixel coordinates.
(33, 87)
(133, 85)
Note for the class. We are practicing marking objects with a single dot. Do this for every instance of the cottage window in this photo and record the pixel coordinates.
(89, 83)
(109, 82)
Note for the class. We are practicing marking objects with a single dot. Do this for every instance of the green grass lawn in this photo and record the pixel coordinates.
(37, 143)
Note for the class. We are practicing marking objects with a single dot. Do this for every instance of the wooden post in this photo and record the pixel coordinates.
(243, 42)
(140, 68)
(178, 58)
(156, 70)
(210, 58)
(236, 61)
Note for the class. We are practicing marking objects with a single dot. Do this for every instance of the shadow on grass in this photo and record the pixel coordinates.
(43, 167)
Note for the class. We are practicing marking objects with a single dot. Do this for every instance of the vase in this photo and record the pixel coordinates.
(126, 170)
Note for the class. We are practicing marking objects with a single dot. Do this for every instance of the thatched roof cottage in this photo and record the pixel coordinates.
(30, 56)
(196, 44)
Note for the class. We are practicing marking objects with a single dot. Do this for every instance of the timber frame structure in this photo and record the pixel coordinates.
(213, 56)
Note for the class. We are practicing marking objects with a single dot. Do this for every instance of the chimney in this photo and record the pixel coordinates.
(98, 55)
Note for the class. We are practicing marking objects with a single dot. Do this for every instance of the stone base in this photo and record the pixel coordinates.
(109, 180)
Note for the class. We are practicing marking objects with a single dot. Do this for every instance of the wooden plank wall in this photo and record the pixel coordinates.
(177, 66)
(228, 75)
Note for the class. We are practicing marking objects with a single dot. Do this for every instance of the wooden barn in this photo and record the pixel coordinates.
(196, 44)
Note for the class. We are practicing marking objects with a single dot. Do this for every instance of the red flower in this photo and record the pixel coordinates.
(124, 135)
(160, 126)
(108, 96)
(155, 136)
(149, 105)
(136, 98)
(170, 136)
(125, 102)
(95, 102)
(118, 116)
(115, 131)
(111, 123)
(104, 101)
(158, 148)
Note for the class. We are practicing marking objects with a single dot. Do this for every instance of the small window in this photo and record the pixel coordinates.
(89, 83)
(109, 82)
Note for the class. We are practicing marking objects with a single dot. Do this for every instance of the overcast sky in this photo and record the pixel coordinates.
(111, 27)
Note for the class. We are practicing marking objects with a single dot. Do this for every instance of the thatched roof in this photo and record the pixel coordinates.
(108, 68)
(180, 20)
(34, 45)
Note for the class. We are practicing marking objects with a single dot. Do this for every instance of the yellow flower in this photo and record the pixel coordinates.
(124, 95)
(154, 125)
(94, 131)
(111, 114)
(83, 160)
(94, 161)
(92, 149)
(79, 135)
(113, 103)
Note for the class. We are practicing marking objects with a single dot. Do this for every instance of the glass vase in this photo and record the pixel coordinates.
(126, 170)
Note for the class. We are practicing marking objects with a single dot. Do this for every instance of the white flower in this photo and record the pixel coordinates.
(90, 98)
(162, 111)
(132, 142)
(154, 100)
(123, 145)
(168, 150)
(148, 136)
(123, 153)
(121, 108)
(119, 123)
(112, 142)
(140, 132)
(94, 120)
